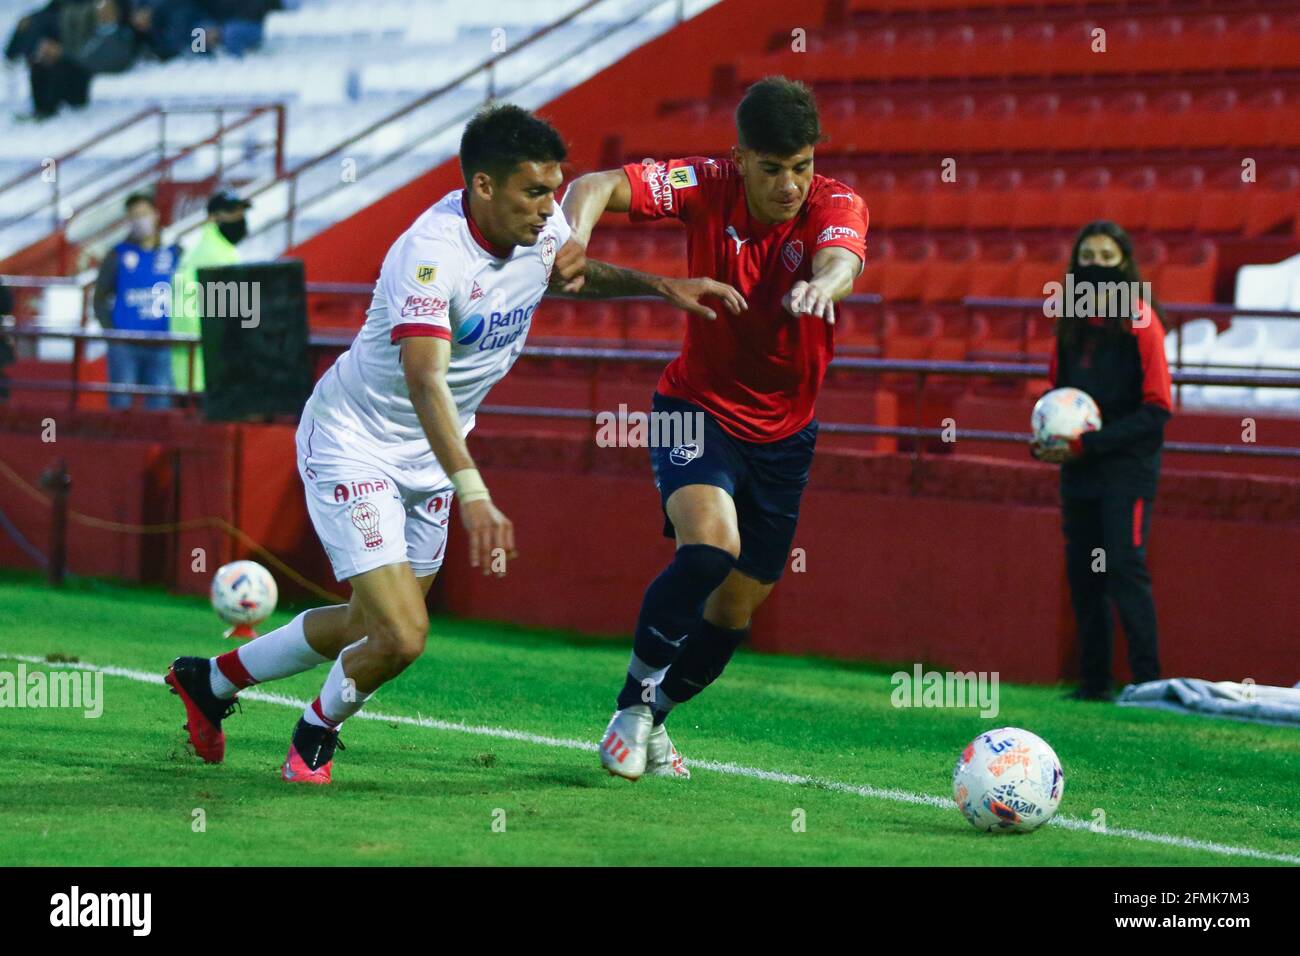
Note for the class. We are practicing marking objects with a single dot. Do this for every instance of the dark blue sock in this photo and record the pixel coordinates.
(672, 607)
(702, 660)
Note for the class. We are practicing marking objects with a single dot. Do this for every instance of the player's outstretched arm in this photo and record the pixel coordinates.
(604, 280)
(590, 196)
(424, 365)
(834, 270)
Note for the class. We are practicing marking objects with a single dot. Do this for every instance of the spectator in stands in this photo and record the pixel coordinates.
(225, 227)
(1115, 351)
(132, 294)
(163, 27)
(235, 25)
(65, 44)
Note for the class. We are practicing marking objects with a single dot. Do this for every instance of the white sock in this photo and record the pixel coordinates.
(277, 654)
(339, 699)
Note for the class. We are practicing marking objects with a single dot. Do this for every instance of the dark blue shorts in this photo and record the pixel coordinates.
(766, 481)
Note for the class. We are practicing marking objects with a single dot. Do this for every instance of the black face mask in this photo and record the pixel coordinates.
(234, 231)
(1098, 274)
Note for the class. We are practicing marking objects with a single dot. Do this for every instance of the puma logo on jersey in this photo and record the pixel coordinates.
(731, 231)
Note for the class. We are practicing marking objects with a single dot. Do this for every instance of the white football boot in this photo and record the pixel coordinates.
(623, 746)
(662, 758)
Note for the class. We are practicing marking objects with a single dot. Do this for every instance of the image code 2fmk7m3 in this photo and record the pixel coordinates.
(873, 443)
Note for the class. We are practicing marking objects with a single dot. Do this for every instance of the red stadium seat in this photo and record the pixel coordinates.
(1151, 253)
(911, 334)
(858, 328)
(1222, 205)
(999, 194)
(907, 208)
(906, 277)
(1272, 201)
(1128, 202)
(994, 272)
(949, 274)
(1280, 46)
(1037, 203)
(1083, 118)
(947, 203)
(961, 332)
(880, 254)
(1176, 200)
(1188, 275)
(880, 190)
(1170, 118)
(1037, 124)
(596, 320)
(1045, 261)
(1081, 198)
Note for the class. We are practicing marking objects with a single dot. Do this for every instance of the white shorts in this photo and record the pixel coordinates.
(368, 512)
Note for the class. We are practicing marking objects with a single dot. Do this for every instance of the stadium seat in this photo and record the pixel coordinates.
(1272, 201)
(1176, 200)
(948, 276)
(907, 272)
(1037, 202)
(1188, 273)
(997, 198)
(994, 272)
(1045, 261)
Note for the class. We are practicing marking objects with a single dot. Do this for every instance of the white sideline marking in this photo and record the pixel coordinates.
(876, 793)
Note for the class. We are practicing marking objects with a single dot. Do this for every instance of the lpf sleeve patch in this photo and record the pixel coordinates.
(426, 272)
(682, 177)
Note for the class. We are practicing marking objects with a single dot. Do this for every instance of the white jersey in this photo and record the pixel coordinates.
(440, 278)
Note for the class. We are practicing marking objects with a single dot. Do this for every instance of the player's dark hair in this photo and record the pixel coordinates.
(502, 136)
(778, 116)
(1069, 325)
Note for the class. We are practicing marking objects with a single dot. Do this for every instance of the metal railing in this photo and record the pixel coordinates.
(595, 358)
(159, 160)
(488, 70)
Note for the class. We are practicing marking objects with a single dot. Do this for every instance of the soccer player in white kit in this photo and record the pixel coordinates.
(381, 443)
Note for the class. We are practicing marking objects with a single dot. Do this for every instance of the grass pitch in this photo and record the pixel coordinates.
(503, 769)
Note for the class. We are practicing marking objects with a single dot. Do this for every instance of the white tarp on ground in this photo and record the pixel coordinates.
(1254, 702)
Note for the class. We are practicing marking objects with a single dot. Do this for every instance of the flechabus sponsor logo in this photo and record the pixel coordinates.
(66, 690)
(831, 233)
(424, 306)
(956, 689)
(494, 330)
(77, 909)
(679, 431)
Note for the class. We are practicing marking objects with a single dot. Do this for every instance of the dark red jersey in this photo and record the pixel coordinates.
(757, 373)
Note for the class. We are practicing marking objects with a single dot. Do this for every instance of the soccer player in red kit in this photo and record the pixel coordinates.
(790, 243)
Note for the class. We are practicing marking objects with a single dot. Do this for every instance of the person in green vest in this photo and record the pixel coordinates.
(225, 227)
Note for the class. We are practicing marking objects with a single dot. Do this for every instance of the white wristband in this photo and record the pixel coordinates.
(469, 486)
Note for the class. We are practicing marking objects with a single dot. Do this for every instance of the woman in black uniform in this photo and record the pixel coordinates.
(1115, 351)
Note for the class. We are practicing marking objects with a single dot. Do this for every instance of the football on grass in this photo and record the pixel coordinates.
(243, 592)
(1008, 781)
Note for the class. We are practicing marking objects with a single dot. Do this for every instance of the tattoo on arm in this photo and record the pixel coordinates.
(607, 281)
